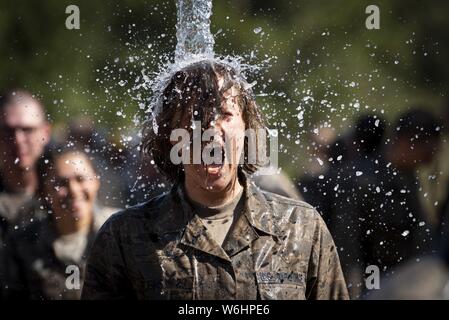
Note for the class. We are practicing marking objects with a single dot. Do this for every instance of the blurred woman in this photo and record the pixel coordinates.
(47, 256)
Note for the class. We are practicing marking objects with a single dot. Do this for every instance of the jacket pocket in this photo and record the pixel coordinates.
(278, 285)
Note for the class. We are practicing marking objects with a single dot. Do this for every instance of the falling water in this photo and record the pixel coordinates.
(193, 30)
(195, 42)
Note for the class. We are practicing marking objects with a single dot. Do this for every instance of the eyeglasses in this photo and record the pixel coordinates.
(9, 132)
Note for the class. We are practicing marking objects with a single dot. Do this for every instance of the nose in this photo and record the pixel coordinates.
(74, 188)
(19, 137)
(218, 130)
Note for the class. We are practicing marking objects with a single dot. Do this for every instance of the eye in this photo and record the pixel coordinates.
(28, 130)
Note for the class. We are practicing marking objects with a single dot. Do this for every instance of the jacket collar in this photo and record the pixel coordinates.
(175, 211)
(197, 236)
(175, 214)
(258, 211)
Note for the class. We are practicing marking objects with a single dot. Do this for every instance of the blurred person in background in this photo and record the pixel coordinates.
(110, 159)
(312, 184)
(391, 225)
(40, 253)
(377, 218)
(355, 163)
(24, 133)
(128, 176)
(372, 198)
(334, 191)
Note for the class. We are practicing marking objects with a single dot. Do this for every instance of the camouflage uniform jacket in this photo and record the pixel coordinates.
(278, 248)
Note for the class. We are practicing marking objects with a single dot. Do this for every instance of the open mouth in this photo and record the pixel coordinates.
(217, 155)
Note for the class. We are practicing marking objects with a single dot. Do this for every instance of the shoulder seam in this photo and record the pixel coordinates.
(290, 201)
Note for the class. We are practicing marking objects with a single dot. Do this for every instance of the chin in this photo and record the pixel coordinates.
(24, 164)
(24, 160)
(217, 185)
(219, 182)
(78, 214)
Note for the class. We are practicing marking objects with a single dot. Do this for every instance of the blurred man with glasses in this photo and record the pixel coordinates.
(24, 132)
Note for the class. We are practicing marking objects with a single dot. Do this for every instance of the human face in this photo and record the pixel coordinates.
(425, 152)
(412, 154)
(73, 187)
(24, 133)
(229, 128)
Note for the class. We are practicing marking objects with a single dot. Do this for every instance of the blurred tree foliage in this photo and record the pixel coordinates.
(326, 64)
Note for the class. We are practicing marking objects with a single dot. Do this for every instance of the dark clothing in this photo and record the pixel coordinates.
(34, 270)
(10, 206)
(2, 258)
(374, 215)
(42, 265)
(398, 227)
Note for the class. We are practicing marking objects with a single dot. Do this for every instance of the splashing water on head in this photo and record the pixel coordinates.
(195, 43)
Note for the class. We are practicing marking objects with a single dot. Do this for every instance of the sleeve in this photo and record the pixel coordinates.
(325, 277)
(105, 277)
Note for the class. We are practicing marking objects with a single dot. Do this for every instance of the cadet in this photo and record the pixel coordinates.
(215, 235)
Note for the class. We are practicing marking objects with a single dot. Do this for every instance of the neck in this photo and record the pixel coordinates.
(17, 180)
(209, 198)
(68, 225)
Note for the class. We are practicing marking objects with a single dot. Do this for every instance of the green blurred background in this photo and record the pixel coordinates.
(325, 63)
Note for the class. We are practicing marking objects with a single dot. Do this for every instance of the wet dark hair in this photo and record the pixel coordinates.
(193, 93)
(419, 125)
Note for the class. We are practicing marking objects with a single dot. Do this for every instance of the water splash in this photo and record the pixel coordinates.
(195, 43)
(193, 30)
(166, 71)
